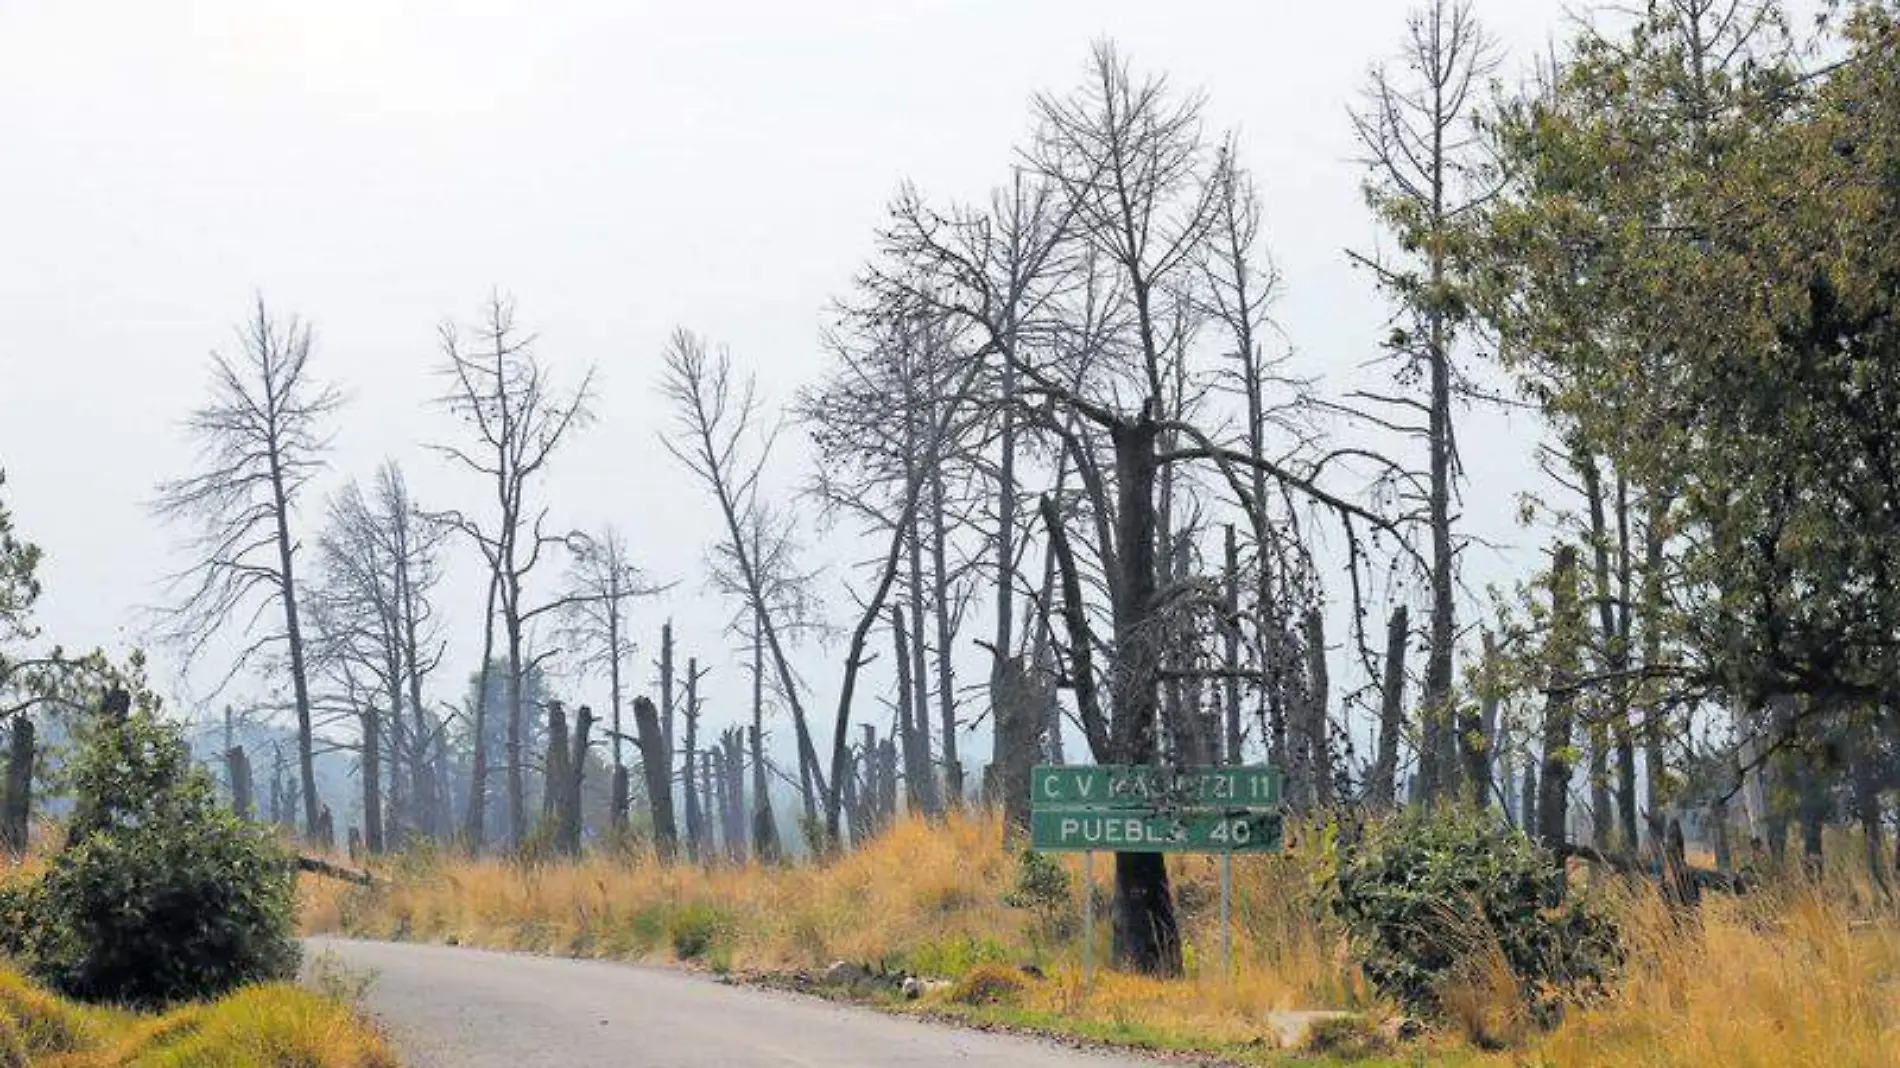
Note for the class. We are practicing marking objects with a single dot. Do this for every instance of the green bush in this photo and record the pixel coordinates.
(953, 956)
(1424, 897)
(1044, 890)
(697, 929)
(159, 894)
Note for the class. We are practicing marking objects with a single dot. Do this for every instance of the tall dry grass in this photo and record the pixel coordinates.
(1792, 976)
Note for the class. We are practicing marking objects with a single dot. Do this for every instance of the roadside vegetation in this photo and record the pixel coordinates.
(157, 898)
(1793, 973)
(270, 1025)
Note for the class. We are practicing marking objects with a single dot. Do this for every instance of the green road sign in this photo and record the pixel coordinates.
(1141, 787)
(1125, 831)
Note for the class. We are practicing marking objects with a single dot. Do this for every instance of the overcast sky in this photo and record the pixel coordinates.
(620, 168)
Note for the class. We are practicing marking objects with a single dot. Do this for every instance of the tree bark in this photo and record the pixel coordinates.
(372, 772)
(1146, 936)
(656, 767)
(16, 800)
(1385, 767)
(1319, 697)
(1561, 663)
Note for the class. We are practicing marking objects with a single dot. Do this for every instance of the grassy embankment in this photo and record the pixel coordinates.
(1787, 977)
(267, 1026)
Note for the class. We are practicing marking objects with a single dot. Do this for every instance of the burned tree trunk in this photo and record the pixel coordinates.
(554, 767)
(1146, 936)
(917, 777)
(733, 801)
(1318, 727)
(656, 766)
(1385, 767)
(765, 844)
(238, 767)
(1020, 699)
(576, 774)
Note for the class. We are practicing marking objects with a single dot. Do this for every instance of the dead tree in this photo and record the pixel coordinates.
(1137, 184)
(570, 826)
(657, 767)
(1019, 695)
(732, 798)
(754, 562)
(1385, 768)
(602, 584)
(261, 437)
(1425, 171)
(667, 708)
(501, 391)
(689, 769)
(237, 767)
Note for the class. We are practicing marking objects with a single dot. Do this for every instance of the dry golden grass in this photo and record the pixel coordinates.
(269, 1026)
(1787, 977)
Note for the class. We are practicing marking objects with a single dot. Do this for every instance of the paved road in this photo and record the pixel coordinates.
(448, 1007)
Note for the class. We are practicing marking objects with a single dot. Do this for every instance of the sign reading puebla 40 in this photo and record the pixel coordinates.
(1134, 831)
(1143, 787)
(1140, 809)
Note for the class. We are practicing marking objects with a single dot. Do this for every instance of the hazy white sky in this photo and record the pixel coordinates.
(620, 168)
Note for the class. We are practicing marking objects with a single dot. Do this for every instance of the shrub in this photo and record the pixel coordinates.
(989, 983)
(159, 894)
(1042, 885)
(1427, 899)
(953, 956)
(697, 929)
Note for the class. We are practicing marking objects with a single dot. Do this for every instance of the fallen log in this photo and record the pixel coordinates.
(318, 866)
(1729, 882)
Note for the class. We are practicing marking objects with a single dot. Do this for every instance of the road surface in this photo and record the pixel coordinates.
(448, 1007)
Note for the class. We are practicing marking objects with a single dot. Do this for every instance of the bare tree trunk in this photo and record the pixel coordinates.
(371, 769)
(1560, 659)
(571, 821)
(1385, 767)
(735, 795)
(293, 632)
(1482, 774)
(1624, 731)
(764, 828)
(1319, 696)
(659, 778)
(1146, 936)
(1653, 767)
(16, 801)
(916, 763)
(238, 766)
(1230, 648)
(517, 715)
(475, 825)
(1866, 782)
(554, 771)
(946, 630)
(666, 704)
(920, 683)
(690, 751)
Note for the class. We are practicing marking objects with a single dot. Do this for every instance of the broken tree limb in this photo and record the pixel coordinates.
(333, 871)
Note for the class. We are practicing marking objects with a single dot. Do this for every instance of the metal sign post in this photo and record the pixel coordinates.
(1088, 917)
(1227, 914)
